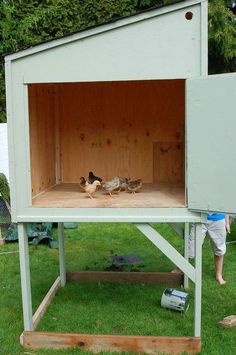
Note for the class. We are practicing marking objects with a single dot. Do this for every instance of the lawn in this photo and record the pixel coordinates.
(114, 308)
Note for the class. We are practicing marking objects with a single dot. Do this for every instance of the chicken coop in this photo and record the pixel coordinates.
(130, 98)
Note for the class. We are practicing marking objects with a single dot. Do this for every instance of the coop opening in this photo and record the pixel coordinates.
(126, 129)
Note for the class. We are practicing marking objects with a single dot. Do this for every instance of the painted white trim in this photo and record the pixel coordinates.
(25, 277)
(137, 215)
(10, 134)
(103, 28)
(186, 241)
(198, 280)
(62, 263)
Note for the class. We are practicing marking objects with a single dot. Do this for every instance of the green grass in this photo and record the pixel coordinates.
(114, 308)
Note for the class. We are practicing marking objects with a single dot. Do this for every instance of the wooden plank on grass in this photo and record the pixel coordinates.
(164, 278)
(100, 342)
(46, 302)
(228, 322)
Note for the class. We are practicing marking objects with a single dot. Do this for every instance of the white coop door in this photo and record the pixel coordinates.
(211, 143)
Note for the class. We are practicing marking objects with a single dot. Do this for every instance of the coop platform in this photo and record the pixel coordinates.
(151, 195)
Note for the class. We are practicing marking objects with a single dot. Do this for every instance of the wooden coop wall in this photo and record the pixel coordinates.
(42, 137)
(127, 128)
(133, 129)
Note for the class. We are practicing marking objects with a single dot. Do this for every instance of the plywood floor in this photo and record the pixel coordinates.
(151, 195)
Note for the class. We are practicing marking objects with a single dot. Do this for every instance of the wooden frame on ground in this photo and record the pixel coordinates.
(100, 342)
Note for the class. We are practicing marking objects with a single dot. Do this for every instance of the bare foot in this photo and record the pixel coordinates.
(176, 270)
(220, 280)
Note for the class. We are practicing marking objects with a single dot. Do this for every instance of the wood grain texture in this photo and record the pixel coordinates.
(164, 278)
(110, 127)
(42, 137)
(113, 128)
(151, 195)
(98, 343)
(168, 162)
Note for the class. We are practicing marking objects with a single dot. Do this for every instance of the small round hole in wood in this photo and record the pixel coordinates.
(189, 15)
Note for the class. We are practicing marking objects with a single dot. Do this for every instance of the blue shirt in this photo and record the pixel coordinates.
(215, 216)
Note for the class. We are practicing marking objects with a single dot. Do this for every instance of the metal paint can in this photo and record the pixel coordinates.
(175, 299)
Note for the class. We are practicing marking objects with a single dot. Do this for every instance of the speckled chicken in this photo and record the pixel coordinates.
(92, 177)
(134, 185)
(112, 185)
(91, 188)
(123, 183)
(82, 182)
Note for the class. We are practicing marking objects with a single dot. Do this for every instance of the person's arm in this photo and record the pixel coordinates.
(227, 224)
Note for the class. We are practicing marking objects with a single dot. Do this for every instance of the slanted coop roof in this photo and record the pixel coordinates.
(114, 19)
(116, 22)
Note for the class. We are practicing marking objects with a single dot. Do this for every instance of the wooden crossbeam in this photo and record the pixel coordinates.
(46, 302)
(100, 342)
(164, 278)
(165, 247)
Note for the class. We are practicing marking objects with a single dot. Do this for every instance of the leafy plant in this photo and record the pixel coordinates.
(222, 38)
(4, 187)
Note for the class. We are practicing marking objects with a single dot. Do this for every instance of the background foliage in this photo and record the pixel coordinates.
(27, 22)
(4, 187)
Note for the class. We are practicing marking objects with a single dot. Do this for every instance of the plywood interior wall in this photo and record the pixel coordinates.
(133, 129)
(42, 137)
(130, 128)
(168, 162)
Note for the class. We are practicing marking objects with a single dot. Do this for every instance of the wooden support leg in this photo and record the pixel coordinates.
(62, 263)
(198, 279)
(186, 238)
(25, 277)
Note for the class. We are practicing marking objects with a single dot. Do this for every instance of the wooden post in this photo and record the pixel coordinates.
(62, 263)
(186, 239)
(25, 277)
(198, 279)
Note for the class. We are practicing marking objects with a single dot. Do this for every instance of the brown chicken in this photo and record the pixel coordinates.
(134, 185)
(91, 188)
(82, 182)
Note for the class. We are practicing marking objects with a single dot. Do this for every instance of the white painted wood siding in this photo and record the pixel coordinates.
(149, 46)
(211, 148)
(152, 45)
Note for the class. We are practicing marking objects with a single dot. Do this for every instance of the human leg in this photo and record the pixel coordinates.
(217, 233)
(219, 268)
